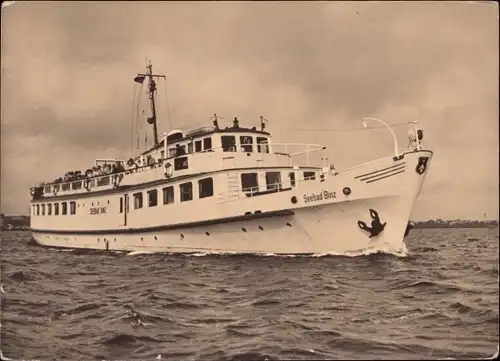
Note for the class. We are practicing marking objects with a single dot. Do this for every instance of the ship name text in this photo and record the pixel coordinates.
(315, 197)
(97, 210)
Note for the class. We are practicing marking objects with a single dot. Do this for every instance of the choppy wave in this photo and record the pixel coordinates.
(438, 299)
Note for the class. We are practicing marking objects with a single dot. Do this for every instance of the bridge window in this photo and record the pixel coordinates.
(186, 191)
(121, 204)
(291, 176)
(137, 200)
(168, 195)
(273, 180)
(64, 208)
(76, 185)
(181, 163)
(37, 209)
(262, 146)
(49, 209)
(190, 147)
(206, 187)
(197, 146)
(246, 143)
(72, 207)
(172, 152)
(207, 144)
(46, 189)
(56, 209)
(43, 209)
(309, 175)
(65, 187)
(249, 182)
(152, 198)
(228, 143)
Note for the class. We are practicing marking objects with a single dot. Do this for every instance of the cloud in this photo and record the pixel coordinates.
(67, 70)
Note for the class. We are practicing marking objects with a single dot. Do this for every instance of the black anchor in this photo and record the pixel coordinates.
(376, 227)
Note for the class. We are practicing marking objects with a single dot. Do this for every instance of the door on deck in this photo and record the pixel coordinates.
(124, 208)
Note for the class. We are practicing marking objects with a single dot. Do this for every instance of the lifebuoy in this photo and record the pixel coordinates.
(168, 170)
(246, 140)
(86, 185)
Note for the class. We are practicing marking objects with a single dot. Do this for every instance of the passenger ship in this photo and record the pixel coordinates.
(231, 189)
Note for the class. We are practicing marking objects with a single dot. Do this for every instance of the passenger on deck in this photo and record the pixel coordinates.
(179, 150)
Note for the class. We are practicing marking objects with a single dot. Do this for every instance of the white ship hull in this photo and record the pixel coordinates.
(306, 226)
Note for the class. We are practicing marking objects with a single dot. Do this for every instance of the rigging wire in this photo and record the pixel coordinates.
(137, 119)
(345, 129)
(166, 101)
(133, 118)
(135, 104)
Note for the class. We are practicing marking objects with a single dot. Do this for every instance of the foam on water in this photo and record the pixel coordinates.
(386, 248)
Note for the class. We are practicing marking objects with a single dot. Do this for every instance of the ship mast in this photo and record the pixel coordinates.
(151, 91)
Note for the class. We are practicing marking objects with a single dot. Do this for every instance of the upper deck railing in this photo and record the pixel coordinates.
(307, 150)
(112, 179)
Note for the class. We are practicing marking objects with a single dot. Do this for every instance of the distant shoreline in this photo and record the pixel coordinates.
(442, 226)
(454, 224)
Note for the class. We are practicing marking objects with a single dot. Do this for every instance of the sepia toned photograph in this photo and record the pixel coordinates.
(249, 180)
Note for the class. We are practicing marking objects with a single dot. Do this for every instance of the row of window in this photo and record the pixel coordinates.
(246, 143)
(249, 183)
(205, 189)
(228, 145)
(202, 145)
(53, 209)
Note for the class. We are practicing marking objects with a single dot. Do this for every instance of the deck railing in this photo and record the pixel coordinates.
(248, 192)
(304, 149)
(105, 180)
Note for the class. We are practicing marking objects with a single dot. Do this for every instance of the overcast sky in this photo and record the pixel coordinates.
(67, 90)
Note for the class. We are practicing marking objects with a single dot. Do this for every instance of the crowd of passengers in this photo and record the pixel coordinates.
(96, 171)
